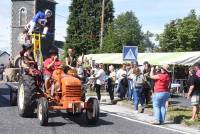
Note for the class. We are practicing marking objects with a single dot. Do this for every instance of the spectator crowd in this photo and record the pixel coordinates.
(142, 85)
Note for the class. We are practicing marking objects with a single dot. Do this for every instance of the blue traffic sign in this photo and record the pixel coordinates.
(130, 53)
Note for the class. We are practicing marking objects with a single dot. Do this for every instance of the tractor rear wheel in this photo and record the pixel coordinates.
(13, 97)
(27, 87)
(92, 113)
(42, 111)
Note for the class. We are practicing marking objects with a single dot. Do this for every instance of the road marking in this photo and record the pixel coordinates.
(158, 126)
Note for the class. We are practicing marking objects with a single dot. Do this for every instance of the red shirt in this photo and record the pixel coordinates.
(198, 73)
(162, 84)
(51, 69)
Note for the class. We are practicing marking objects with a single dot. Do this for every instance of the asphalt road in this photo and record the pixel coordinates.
(61, 123)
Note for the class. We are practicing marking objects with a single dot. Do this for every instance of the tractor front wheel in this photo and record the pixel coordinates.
(42, 111)
(92, 112)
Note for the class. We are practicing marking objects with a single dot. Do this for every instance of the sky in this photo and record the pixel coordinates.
(152, 15)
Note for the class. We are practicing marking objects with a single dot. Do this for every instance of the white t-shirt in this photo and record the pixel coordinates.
(132, 78)
(95, 70)
(80, 72)
(100, 77)
(120, 74)
(141, 68)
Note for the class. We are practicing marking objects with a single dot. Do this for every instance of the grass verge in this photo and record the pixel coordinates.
(182, 115)
(179, 115)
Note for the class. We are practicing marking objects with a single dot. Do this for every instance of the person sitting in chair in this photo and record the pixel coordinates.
(39, 22)
(27, 57)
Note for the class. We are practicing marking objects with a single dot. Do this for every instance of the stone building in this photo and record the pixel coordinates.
(22, 12)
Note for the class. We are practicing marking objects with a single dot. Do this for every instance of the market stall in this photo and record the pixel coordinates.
(175, 58)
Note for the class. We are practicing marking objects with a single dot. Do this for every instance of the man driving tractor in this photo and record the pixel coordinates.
(50, 64)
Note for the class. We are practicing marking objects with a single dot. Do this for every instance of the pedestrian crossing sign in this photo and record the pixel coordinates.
(130, 53)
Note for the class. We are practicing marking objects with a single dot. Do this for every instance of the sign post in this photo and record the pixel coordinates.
(130, 53)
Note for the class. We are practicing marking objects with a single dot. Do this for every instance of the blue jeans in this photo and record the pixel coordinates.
(159, 101)
(137, 97)
(130, 90)
(131, 94)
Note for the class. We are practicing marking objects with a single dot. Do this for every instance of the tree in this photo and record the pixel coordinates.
(168, 40)
(181, 34)
(84, 24)
(125, 30)
(149, 45)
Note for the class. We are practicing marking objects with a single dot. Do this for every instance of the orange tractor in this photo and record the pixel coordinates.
(65, 94)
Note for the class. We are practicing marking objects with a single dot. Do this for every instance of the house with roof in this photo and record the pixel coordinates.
(4, 58)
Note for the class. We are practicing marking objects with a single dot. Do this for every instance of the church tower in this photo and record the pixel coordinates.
(22, 12)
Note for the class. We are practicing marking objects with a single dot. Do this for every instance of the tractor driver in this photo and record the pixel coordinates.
(50, 64)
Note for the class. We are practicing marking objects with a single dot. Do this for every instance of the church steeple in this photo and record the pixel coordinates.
(22, 12)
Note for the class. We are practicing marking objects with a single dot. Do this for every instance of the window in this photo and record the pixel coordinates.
(22, 16)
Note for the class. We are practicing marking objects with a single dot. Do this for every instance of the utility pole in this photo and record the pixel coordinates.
(102, 23)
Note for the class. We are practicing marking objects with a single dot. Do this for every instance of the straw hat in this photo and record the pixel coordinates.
(166, 68)
(157, 67)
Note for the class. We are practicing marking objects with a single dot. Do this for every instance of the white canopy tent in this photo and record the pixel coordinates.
(176, 58)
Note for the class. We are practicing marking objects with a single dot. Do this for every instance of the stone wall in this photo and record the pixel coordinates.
(16, 29)
(32, 7)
